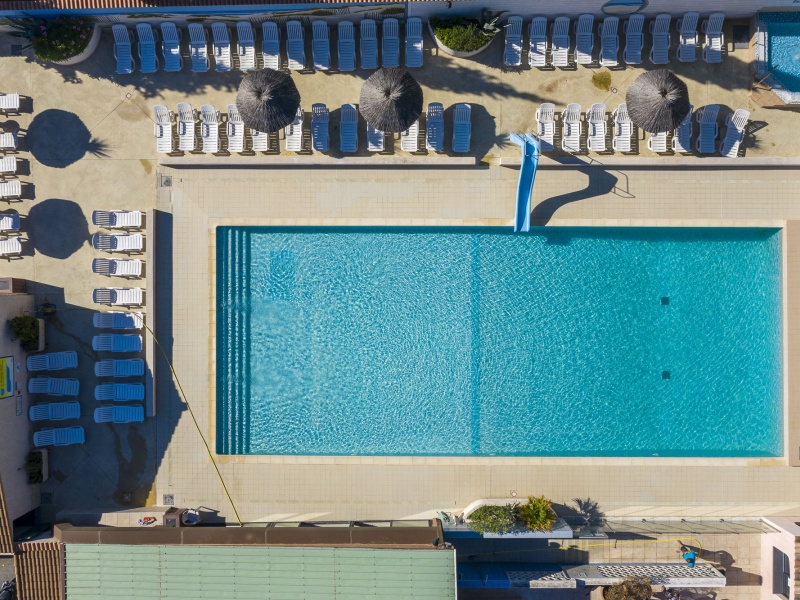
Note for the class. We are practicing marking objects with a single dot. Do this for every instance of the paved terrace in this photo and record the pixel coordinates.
(87, 144)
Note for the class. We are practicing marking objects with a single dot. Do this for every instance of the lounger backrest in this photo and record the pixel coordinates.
(739, 119)
(572, 113)
(349, 113)
(708, 114)
(585, 25)
(514, 27)
(561, 27)
(346, 31)
(185, 112)
(414, 28)
(319, 113)
(169, 33)
(197, 35)
(162, 115)
(621, 114)
(634, 25)
(220, 33)
(435, 112)
(121, 35)
(208, 114)
(538, 30)
(597, 112)
(294, 30)
(270, 31)
(688, 23)
(368, 30)
(145, 33)
(661, 24)
(244, 33)
(610, 25)
(714, 24)
(233, 114)
(319, 30)
(390, 29)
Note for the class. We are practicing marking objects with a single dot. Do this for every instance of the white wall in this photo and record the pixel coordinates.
(783, 541)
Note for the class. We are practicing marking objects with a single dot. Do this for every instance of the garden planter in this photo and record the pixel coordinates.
(87, 52)
(456, 53)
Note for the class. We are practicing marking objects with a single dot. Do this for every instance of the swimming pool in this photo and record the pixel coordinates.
(782, 41)
(480, 342)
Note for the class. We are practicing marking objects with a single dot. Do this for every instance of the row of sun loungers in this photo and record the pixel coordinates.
(222, 49)
(561, 40)
(623, 130)
(68, 436)
(10, 189)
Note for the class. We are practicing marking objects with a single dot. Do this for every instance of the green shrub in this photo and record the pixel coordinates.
(26, 330)
(631, 588)
(537, 514)
(33, 467)
(494, 519)
(54, 39)
(461, 35)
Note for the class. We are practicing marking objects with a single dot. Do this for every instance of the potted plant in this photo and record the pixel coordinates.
(464, 37)
(36, 467)
(492, 518)
(630, 588)
(537, 514)
(26, 330)
(63, 40)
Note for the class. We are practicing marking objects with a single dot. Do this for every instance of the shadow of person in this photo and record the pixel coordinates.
(57, 228)
(58, 138)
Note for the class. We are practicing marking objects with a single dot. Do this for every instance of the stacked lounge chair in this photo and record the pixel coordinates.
(462, 127)
(634, 40)
(715, 40)
(346, 47)
(198, 48)
(148, 61)
(559, 46)
(116, 367)
(609, 42)
(414, 43)
(246, 46)
(584, 39)
(53, 386)
(222, 47)
(682, 136)
(271, 45)
(117, 342)
(659, 53)
(295, 46)
(294, 133)
(9, 223)
(119, 321)
(687, 37)
(119, 414)
(53, 361)
(8, 141)
(512, 56)
(171, 47)
(537, 44)
(572, 129)
(390, 43)
(434, 127)
(8, 165)
(320, 46)
(63, 436)
(546, 125)
(375, 139)
(122, 49)
(55, 411)
(734, 134)
(348, 128)
(10, 247)
(209, 129)
(10, 189)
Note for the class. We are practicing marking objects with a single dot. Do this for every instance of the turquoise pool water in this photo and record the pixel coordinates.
(562, 342)
(783, 46)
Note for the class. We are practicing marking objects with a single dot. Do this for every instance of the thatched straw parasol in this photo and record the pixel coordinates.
(391, 100)
(658, 101)
(267, 100)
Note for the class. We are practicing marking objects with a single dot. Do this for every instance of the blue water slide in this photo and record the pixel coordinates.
(530, 146)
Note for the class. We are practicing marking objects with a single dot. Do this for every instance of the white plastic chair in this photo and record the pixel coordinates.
(546, 125)
(597, 127)
(117, 342)
(347, 46)
(148, 60)
(634, 39)
(122, 50)
(271, 45)
(584, 39)
(706, 116)
(222, 47)
(198, 47)
(295, 46)
(209, 129)
(715, 40)
(659, 53)
(171, 47)
(320, 45)
(319, 128)
(119, 368)
(734, 134)
(687, 36)
(462, 128)
(537, 45)
(246, 46)
(390, 43)
(409, 139)
(623, 129)
(186, 121)
(609, 42)
(572, 129)
(434, 127)
(414, 43)
(294, 133)
(559, 47)
(369, 44)
(512, 56)
(348, 128)
(162, 129)
(657, 142)
(119, 321)
(682, 136)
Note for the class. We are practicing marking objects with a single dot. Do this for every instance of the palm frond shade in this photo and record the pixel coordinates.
(267, 100)
(391, 100)
(658, 101)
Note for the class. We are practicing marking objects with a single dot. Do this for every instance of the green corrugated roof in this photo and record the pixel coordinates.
(105, 571)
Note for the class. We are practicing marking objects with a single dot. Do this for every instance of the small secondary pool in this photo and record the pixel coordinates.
(480, 342)
(783, 48)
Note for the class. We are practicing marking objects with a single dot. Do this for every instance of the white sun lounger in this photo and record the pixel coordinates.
(9, 223)
(8, 141)
(537, 45)
(117, 342)
(53, 361)
(409, 139)
(623, 129)
(55, 411)
(117, 219)
(8, 165)
(119, 321)
(198, 47)
(559, 47)
(171, 47)
(390, 44)
(122, 49)
(584, 39)
(115, 367)
(706, 116)
(414, 43)
(734, 134)
(271, 45)
(9, 103)
(687, 37)
(10, 247)
(715, 40)
(235, 129)
(462, 127)
(434, 127)
(222, 47)
(572, 129)
(369, 44)
(209, 128)
(119, 392)
(375, 139)
(659, 53)
(546, 125)
(294, 133)
(53, 386)
(129, 242)
(320, 141)
(682, 136)
(260, 140)
(347, 47)
(186, 139)
(295, 46)
(115, 267)
(61, 436)
(657, 142)
(597, 127)
(246, 46)
(148, 61)
(609, 42)
(10, 189)
(119, 415)
(162, 129)
(634, 40)
(512, 56)
(320, 46)
(348, 128)
(118, 296)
